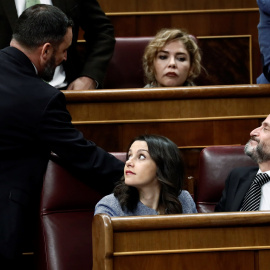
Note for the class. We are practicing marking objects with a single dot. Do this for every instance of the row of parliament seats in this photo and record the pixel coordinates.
(125, 69)
(67, 206)
(216, 162)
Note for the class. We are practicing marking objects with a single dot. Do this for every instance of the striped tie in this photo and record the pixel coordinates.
(253, 197)
(29, 3)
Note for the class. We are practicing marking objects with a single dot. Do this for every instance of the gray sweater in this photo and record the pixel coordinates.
(110, 205)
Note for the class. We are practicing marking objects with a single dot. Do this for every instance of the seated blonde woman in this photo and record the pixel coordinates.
(171, 59)
(152, 182)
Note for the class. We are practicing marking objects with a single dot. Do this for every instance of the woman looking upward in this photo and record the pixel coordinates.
(152, 182)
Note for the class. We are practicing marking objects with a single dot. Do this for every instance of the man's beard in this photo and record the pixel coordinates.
(48, 72)
(258, 153)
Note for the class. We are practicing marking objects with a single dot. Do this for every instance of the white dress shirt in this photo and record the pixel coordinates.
(20, 5)
(59, 77)
(265, 195)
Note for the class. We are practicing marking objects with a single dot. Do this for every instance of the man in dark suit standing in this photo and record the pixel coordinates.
(34, 122)
(76, 73)
(240, 193)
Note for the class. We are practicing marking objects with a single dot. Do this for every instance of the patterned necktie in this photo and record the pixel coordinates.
(29, 3)
(253, 197)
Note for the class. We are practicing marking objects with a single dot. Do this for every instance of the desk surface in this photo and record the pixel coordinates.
(168, 104)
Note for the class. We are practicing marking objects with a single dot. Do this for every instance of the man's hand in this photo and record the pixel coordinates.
(82, 83)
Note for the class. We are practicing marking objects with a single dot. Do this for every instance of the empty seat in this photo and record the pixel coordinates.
(216, 162)
(125, 68)
(66, 213)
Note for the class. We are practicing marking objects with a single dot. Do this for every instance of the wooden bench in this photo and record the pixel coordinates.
(191, 241)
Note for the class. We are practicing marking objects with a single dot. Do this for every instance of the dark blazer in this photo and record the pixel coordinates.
(33, 122)
(264, 39)
(236, 187)
(99, 36)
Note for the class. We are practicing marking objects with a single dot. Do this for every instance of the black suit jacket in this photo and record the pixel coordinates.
(33, 122)
(99, 36)
(236, 187)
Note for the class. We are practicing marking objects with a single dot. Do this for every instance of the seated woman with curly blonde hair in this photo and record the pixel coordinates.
(172, 58)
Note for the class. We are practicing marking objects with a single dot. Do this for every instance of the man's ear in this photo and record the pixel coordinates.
(46, 52)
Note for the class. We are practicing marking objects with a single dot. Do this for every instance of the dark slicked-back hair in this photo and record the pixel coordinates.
(170, 174)
(40, 24)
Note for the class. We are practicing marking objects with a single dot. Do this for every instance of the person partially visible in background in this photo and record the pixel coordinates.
(171, 59)
(75, 73)
(264, 40)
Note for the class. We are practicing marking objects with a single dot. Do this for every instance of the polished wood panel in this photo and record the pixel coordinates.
(220, 65)
(199, 23)
(190, 241)
(167, 104)
(221, 261)
(190, 116)
(165, 5)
